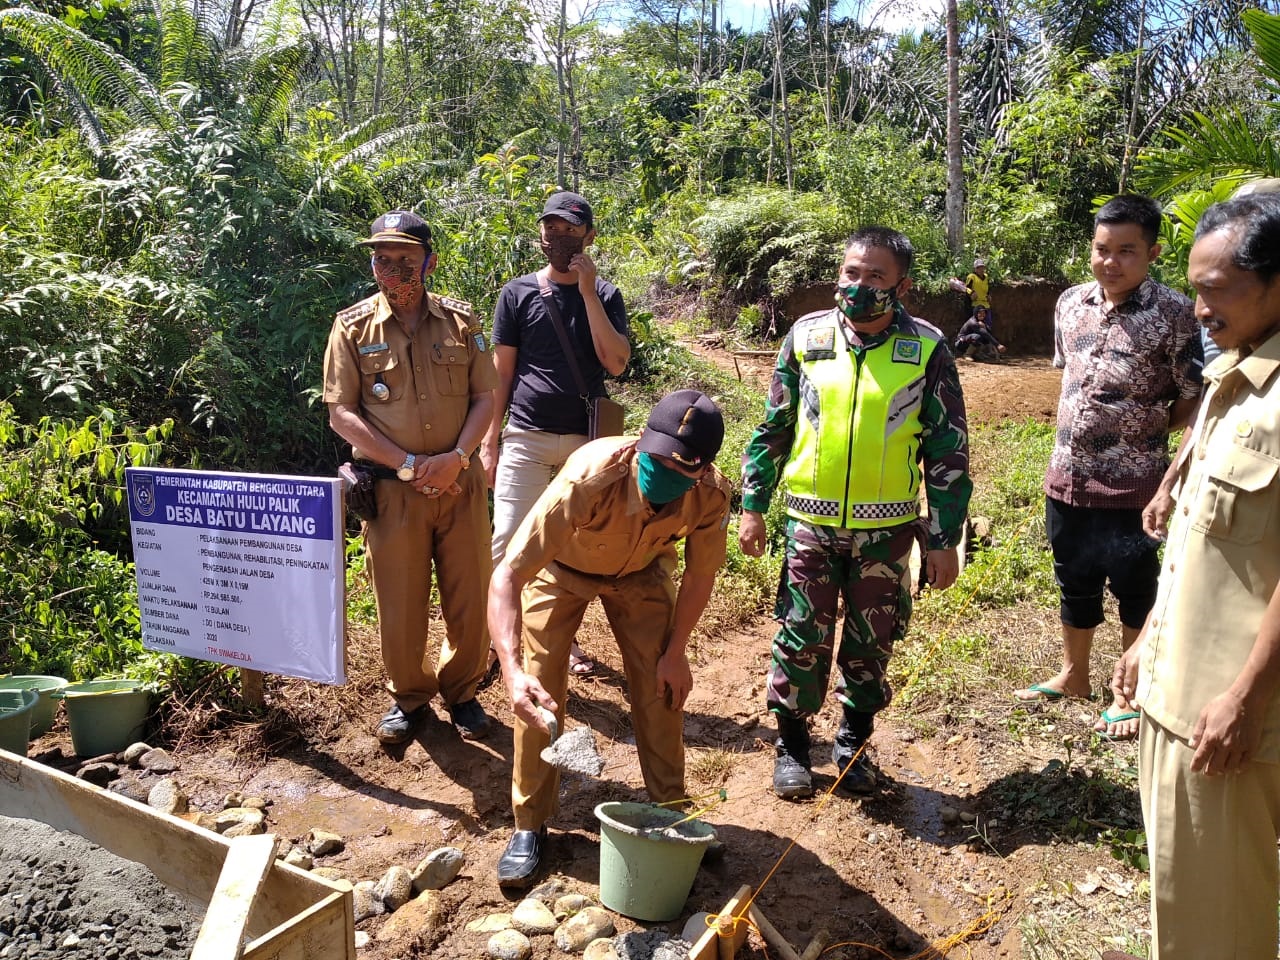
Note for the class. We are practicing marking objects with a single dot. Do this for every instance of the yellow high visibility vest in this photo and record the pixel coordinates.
(855, 460)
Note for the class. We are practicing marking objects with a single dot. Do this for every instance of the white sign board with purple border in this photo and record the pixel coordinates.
(244, 569)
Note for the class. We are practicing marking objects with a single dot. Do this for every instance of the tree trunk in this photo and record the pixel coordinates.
(561, 32)
(1126, 162)
(780, 86)
(377, 74)
(955, 144)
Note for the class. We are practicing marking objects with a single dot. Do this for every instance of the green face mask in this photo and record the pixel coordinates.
(860, 302)
(659, 483)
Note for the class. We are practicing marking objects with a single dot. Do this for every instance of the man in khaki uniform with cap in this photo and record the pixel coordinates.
(607, 527)
(409, 383)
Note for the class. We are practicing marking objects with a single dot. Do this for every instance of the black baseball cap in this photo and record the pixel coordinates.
(568, 206)
(399, 226)
(685, 426)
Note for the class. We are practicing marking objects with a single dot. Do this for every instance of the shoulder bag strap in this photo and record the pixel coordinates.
(554, 309)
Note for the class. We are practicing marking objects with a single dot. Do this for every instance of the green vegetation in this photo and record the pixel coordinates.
(180, 191)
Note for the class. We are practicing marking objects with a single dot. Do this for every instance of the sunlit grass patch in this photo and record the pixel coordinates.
(710, 767)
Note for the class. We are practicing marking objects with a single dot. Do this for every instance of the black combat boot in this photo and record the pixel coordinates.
(791, 777)
(855, 730)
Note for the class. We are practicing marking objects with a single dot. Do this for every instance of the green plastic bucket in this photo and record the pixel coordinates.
(15, 719)
(105, 715)
(649, 856)
(46, 706)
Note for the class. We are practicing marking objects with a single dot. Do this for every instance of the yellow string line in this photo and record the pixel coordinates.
(989, 917)
(937, 949)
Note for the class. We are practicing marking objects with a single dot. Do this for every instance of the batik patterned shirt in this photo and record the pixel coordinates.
(1122, 369)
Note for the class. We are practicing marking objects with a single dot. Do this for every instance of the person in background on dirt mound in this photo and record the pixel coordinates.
(409, 383)
(1131, 358)
(978, 287)
(976, 340)
(1206, 668)
(607, 527)
(861, 395)
(536, 384)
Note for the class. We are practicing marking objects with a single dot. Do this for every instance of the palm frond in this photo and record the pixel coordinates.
(90, 74)
(183, 45)
(1215, 147)
(1264, 29)
(273, 81)
(376, 145)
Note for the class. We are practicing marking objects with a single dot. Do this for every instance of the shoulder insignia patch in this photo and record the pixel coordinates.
(481, 344)
(822, 338)
(819, 343)
(906, 351)
(455, 306)
(353, 314)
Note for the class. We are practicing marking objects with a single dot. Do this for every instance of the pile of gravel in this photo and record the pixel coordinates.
(62, 896)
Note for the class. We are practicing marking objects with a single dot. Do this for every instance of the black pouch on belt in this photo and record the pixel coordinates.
(358, 482)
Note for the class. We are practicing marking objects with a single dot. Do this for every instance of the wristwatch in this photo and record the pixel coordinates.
(462, 455)
(405, 472)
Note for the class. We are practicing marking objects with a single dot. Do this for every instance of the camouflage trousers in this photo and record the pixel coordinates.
(822, 565)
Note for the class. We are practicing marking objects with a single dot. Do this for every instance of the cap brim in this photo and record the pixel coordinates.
(390, 238)
(573, 218)
(651, 441)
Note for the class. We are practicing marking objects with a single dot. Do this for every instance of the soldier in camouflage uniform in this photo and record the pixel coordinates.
(861, 396)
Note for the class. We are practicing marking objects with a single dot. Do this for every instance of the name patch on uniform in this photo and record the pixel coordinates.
(374, 348)
(906, 351)
(820, 343)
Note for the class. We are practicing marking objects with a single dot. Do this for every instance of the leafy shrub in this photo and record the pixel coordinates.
(67, 600)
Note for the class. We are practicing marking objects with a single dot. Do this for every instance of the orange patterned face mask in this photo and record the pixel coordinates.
(400, 284)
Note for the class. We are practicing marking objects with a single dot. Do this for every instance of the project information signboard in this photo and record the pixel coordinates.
(241, 568)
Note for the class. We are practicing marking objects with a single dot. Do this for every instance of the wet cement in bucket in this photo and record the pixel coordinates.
(653, 822)
(61, 895)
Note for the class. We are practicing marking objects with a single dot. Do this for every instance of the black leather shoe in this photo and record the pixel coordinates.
(859, 780)
(519, 863)
(791, 778)
(469, 719)
(396, 726)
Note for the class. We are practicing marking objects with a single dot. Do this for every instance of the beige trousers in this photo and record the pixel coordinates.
(639, 607)
(1212, 844)
(413, 533)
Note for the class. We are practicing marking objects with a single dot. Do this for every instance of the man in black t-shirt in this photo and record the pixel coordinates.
(546, 414)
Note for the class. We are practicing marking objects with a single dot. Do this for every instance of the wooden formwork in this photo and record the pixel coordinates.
(289, 914)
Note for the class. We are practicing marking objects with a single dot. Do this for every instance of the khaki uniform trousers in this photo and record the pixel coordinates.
(639, 607)
(1212, 843)
(410, 534)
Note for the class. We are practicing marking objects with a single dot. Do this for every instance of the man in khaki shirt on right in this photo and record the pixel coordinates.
(1206, 667)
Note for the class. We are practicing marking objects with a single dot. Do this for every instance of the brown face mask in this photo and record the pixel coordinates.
(560, 248)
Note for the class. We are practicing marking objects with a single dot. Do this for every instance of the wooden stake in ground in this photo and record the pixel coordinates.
(222, 934)
(722, 941)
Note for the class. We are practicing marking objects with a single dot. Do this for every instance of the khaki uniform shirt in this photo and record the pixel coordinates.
(1222, 559)
(593, 519)
(430, 377)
